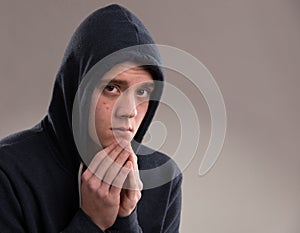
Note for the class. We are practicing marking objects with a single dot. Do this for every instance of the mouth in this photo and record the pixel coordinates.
(122, 129)
(123, 132)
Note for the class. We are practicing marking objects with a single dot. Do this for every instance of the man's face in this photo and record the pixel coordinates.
(120, 104)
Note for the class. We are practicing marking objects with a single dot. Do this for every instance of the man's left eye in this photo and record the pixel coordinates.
(142, 92)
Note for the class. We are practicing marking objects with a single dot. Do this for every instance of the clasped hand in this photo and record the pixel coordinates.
(111, 185)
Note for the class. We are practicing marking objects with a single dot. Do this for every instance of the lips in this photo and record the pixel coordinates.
(122, 131)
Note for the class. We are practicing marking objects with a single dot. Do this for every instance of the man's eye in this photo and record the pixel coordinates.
(143, 93)
(111, 88)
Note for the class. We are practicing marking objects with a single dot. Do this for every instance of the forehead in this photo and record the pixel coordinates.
(127, 73)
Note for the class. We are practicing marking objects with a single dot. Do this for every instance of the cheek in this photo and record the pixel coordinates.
(105, 106)
(102, 106)
(102, 112)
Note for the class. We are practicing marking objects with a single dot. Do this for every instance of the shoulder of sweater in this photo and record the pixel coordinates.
(22, 145)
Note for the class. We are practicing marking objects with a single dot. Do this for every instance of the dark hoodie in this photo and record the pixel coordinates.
(39, 167)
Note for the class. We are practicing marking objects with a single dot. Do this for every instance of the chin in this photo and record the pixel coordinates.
(119, 139)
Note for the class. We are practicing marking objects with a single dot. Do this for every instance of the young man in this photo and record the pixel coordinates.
(77, 170)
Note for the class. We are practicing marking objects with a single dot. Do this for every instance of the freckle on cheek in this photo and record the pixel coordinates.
(105, 104)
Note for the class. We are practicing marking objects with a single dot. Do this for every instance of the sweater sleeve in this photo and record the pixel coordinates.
(11, 217)
(81, 223)
(172, 220)
(127, 224)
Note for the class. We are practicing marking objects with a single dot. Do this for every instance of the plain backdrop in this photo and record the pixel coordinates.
(252, 49)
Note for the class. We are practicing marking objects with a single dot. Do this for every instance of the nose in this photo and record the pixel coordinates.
(126, 106)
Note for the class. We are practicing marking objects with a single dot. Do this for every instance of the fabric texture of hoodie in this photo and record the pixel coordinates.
(39, 167)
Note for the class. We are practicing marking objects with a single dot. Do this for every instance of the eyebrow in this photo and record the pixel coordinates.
(147, 84)
(117, 81)
(125, 83)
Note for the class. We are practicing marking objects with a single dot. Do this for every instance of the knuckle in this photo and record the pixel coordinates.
(134, 157)
(84, 177)
(140, 185)
(116, 197)
(92, 185)
(102, 193)
(138, 196)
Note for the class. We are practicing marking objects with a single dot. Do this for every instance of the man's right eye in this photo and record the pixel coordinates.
(111, 89)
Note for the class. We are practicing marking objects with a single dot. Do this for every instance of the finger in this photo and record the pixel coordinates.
(137, 179)
(115, 167)
(91, 184)
(86, 176)
(134, 182)
(89, 181)
(128, 147)
(108, 161)
(98, 158)
(133, 159)
(118, 182)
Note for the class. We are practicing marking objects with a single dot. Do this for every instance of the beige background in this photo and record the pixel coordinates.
(252, 49)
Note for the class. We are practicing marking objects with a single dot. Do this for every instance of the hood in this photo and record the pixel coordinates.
(104, 32)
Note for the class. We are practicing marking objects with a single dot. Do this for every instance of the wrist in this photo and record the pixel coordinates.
(126, 224)
(100, 223)
(125, 213)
